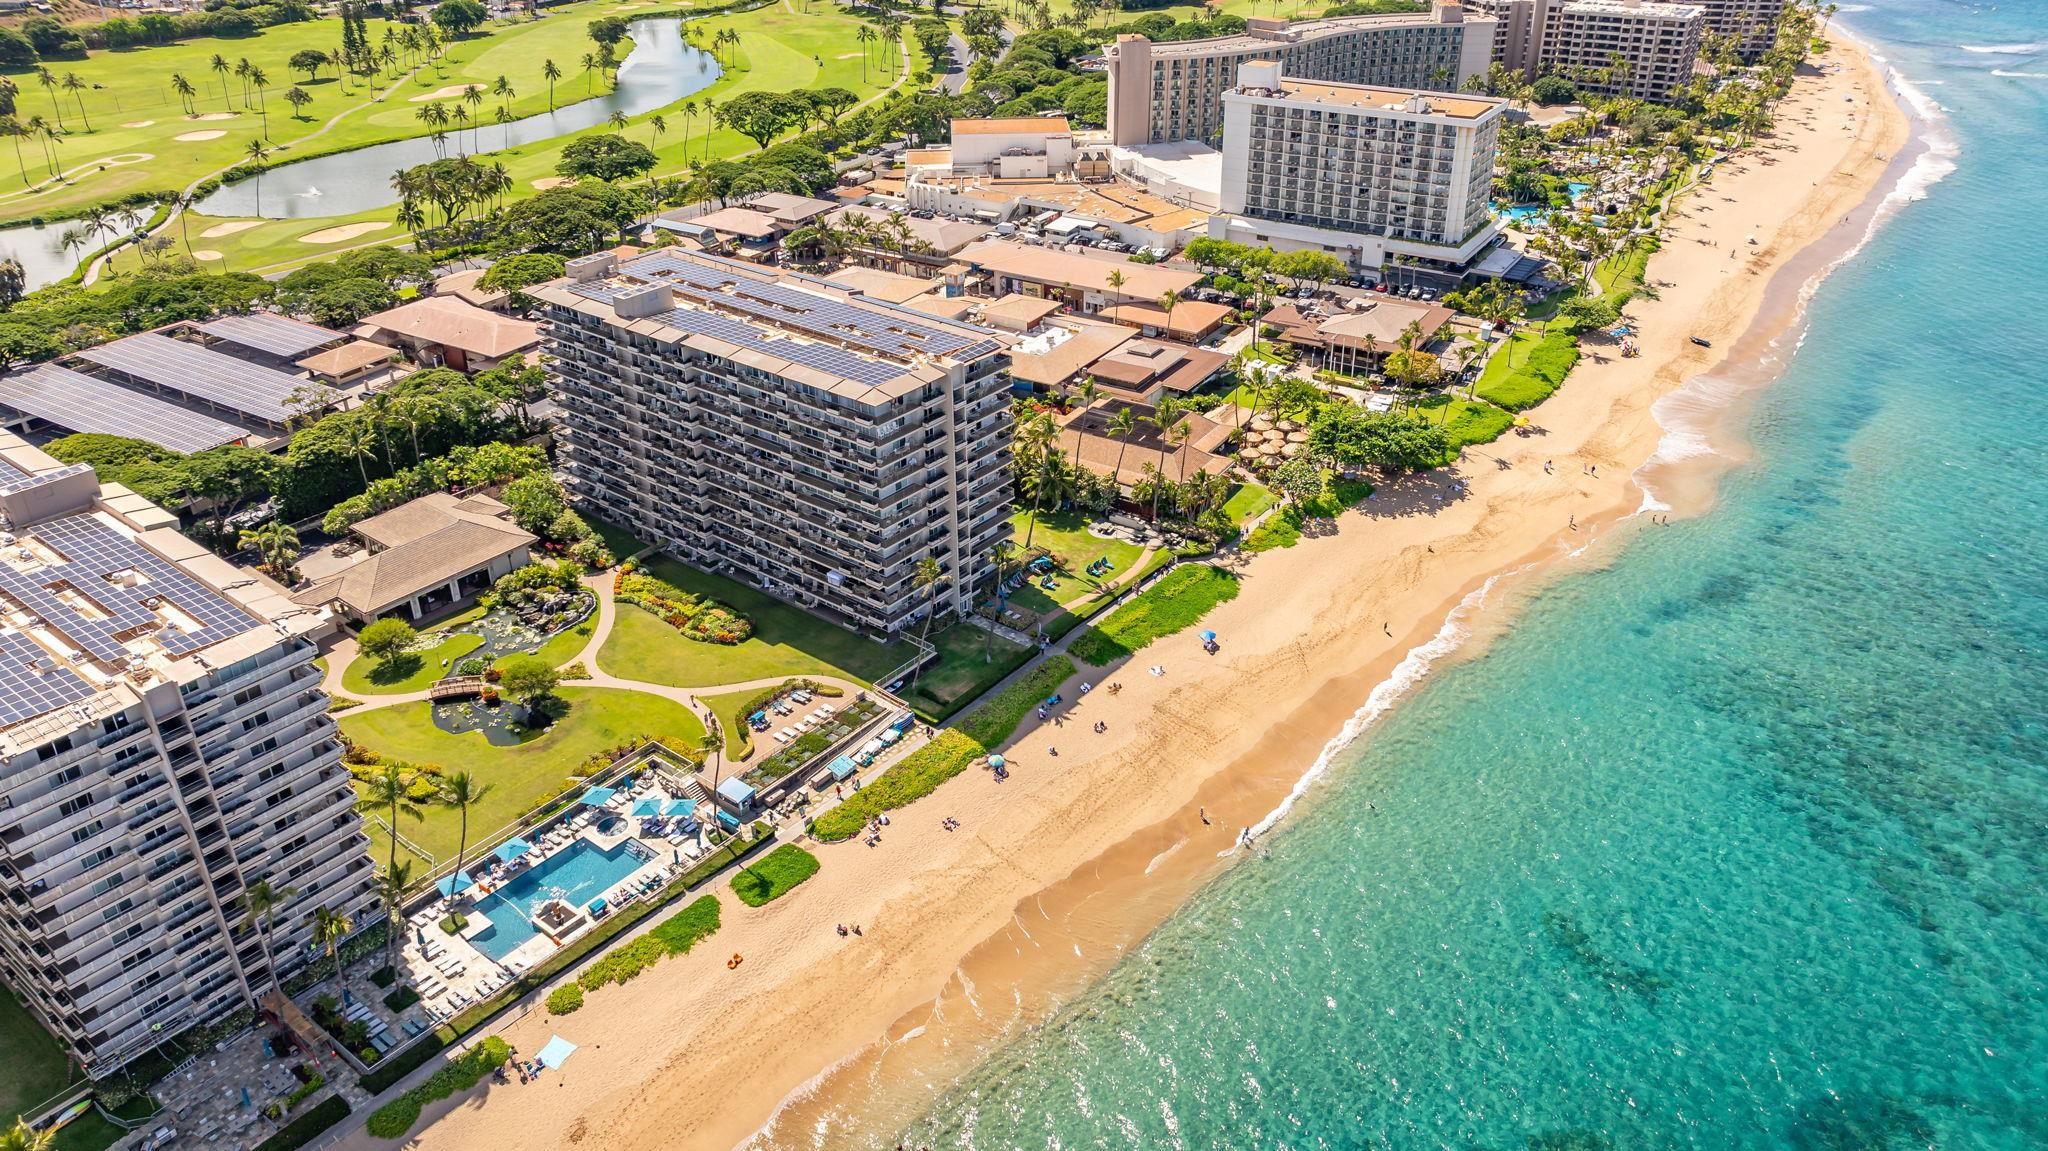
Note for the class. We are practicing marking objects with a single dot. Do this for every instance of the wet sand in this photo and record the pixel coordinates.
(831, 1041)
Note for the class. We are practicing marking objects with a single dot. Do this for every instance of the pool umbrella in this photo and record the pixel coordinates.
(995, 761)
(454, 882)
(679, 807)
(1210, 636)
(556, 1052)
(512, 849)
(598, 796)
(646, 809)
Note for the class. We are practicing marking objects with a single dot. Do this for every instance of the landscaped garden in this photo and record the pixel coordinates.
(415, 669)
(1065, 535)
(521, 776)
(34, 1067)
(1177, 602)
(971, 659)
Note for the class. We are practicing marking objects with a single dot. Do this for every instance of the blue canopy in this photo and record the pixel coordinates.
(736, 790)
(556, 1052)
(679, 807)
(1210, 636)
(843, 767)
(995, 761)
(454, 882)
(646, 809)
(512, 849)
(598, 796)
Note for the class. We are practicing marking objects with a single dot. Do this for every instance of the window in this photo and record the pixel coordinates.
(75, 804)
(108, 884)
(69, 774)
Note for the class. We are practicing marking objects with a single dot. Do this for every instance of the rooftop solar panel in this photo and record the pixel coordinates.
(14, 485)
(277, 335)
(82, 403)
(238, 385)
(31, 683)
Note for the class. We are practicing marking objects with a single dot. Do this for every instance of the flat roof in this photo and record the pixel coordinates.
(1053, 266)
(218, 378)
(1011, 125)
(81, 403)
(280, 336)
(880, 285)
(1301, 31)
(1382, 99)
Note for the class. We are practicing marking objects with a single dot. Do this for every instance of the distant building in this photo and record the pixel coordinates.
(1367, 174)
(1174, 91)
(1355, 340)
(1656, 42)
(425, 556)
(782, 430)
(1085, 283)
(1018, 147)
(164, 748)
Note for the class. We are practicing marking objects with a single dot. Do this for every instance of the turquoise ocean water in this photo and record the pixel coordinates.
(1737, 843)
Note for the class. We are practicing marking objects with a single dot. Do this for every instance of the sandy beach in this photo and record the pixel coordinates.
(819, 1040)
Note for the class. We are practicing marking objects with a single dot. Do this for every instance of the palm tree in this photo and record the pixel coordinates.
(1162, 418)
(866, 36)
(461, 791)
(263, 901)
(1167, 303)
(276, 542)
(589, 63)
(689, 118)
(1000, 556)
(77, 87)
(185, 91)
(22, 1137)
(503, 90)
(1123, 425)
(387, 790)
(254, 151)
(927, 577)
(391, 887)
(219, 64)
(48, 80)
(617, 120)
(330, 927)
(553, 73)
(15, 130)
(1032, 442)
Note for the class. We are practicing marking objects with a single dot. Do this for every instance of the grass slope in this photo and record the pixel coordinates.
(412, 671)
(774, 875)
(1177, 602)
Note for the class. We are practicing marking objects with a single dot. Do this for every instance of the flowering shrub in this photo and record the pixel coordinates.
(698, 617)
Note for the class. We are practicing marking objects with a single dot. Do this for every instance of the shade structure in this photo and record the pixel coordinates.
(556, 1052)
(890, 736)
(512, 849)
(1209, 635)
(996, 761)
(598, 796)
(647, 809)
(678, 807)
(736, 790)
(454, 882)
(843, 767)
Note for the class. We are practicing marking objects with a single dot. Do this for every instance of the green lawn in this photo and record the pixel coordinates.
(996, 720)
(1247, 502)
(1465, 421)
(1622, 274)
(560, 649)
(774, 875)
(135, 116)
(787, 642)
(34, 1067)
(412, 671)
(1177, 602)
(1065, 535)
(621, 542)
(520, 776)
(912, 778)
(971, 659)
(1528, 370)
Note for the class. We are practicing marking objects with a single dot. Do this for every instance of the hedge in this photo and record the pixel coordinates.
(918, 775)
(998, 716)
(675, 935)
(1177, 602)
(774, 876)
(1535, 379)
(398, 1064)
(400, 998)
(307, 1127)
(395, 1118)
(565, 1000)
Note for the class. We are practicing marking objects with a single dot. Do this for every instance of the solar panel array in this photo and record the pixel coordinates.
(879, 332)
(278, 335)
(15, 485)
(93, 552)
(31, 683)
(82, 403)
(238, 385)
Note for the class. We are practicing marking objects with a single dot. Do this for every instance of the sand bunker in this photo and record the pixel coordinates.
(546, 182)
(344, 232)
(207, 254)
(229, 228)
(138, 123)
(449, 92)
(216, 115)
(128, 158)
(849, 56)
(195, 137)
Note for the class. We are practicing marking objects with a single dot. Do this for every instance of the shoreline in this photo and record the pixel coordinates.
(1058, 873)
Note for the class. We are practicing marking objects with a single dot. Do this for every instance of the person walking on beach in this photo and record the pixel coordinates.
(1204, 813)
(1574, 522)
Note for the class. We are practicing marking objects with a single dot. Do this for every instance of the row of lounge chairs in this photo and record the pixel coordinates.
(822, 715)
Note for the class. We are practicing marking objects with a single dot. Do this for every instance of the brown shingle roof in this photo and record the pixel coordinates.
(450, 322)
(350, 357)
(399, 573)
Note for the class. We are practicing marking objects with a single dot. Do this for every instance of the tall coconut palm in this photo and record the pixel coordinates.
(1122, 426)
(461, 791)
(255, 150)
(330, 927)
(391, 887)
(1034, 443)
(77, 86)
(1167, 303)
(22, 1137)
(389, 791)
(276, 542)
(552, 73)
(220, 67)
(1000, 556)
(927, 577)
(263, 901)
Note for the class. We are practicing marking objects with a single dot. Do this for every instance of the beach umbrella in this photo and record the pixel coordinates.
(454, 882)
(1210, 636)
(996, 761)
(646, 809)
(512, 849)
(678, 807)
(597, 796)
(1293, 450)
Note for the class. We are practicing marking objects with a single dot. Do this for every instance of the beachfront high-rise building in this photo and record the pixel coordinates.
(1361, 172)
(1644, 48)
(1624, 47)
(1754, 23)
(1174, 91)
(783, 430)
(164, 747)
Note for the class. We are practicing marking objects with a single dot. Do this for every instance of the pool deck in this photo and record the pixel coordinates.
(451, 971)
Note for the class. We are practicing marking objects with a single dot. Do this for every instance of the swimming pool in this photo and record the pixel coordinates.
(577, 874)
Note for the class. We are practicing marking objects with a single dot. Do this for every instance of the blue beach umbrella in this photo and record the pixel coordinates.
(512, 849)
(598, 796)
(646, 809)
(678, 807)
(1210, 636)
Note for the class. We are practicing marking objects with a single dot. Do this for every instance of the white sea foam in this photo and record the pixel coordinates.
(2005, 49)
(1412, 669)
(2020, 75)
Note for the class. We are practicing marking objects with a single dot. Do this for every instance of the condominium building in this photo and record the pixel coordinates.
(1174, 91)
(1624, 47)
(1361, 172)
(1642, 48)
(164, 747)
(783, 430)
(1754, 23)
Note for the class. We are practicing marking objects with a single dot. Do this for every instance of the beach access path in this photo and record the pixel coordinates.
(1056, 873)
